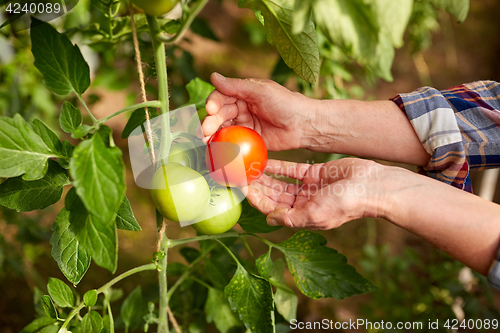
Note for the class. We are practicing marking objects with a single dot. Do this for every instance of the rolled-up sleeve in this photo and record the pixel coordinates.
(460, 129)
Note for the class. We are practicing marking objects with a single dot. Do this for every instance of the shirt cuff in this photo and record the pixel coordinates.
(435, 124)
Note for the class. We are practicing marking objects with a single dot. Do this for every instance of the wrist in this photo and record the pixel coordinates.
(324, 126)
(391, 201)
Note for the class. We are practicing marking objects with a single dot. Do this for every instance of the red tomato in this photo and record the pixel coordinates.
(236, 156)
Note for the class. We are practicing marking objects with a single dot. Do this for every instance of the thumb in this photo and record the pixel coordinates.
(290, 217)
(244, 89)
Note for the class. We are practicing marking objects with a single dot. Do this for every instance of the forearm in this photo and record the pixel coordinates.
(376, 129)
(461, 224)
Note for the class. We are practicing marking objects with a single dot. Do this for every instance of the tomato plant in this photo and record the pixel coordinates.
(155, 7)
(235, 156)
(179, 193)
(222, 213)
(81, 168)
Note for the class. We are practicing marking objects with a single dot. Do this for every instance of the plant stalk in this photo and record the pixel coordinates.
(161, 72)
(162, 278)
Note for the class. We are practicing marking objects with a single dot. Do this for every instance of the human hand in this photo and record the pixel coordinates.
(331, 193)
(277, 114)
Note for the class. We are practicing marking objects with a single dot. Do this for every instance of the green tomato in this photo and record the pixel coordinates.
(182, 153)
(155, 7)
(222, 213)
(179, 193)
(199, 116)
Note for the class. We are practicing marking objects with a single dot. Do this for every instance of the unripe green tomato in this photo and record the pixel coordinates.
(155, 7)
(198, 117)
(182, 153)
(222, 213)
(179, 193)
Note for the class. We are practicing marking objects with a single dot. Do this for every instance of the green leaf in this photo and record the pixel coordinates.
(25, 196)
(457, 8)
(81, 131)
(348, 23)
(60, 293)
(70, 118)
(285, 299)
(133, 307)
(198, 91)
(125, 218)
(138, 118)
(99, 239)
(98, 175)
(22, 151)
(301, 15)
(48, 136)
(72, 259)
(67, 151)
(189, 253)
(51, 329)
(393, 17)
(353, 26)
(299, 51)
(253, 221)
(175, 269)
(218, 311)
(61, 63)
(320, 271)
(37, 324)
(252, 297)
(216, 273)
(48, 307)
(90, 297)
(92, 322)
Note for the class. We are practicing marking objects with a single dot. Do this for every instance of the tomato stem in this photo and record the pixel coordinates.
(153, 104)
(94, 119)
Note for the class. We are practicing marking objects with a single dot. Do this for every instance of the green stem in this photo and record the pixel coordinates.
(230, 253)
(203, 283)
(165, 142)
(244, 240)
(187, 272)
(94, 119)
(161, 72)
(176, 242)
(149, 104)
(162, 278)
(186, 24)
(111, 320)
(148, 267)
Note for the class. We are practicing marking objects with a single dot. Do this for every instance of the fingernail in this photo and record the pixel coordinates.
(272, 222)
(219, 76)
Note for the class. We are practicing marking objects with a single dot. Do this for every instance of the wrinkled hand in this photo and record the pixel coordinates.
(331, 193)
(275, 112)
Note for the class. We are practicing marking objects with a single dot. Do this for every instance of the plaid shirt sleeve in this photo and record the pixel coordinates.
(460, 129)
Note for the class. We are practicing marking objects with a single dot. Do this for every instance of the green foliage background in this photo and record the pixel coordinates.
(416, 283)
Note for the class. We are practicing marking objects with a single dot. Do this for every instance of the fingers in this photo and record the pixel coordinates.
(290, 217)
(268, 194)
(221, 109)
(289, 169)
(248, 90)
